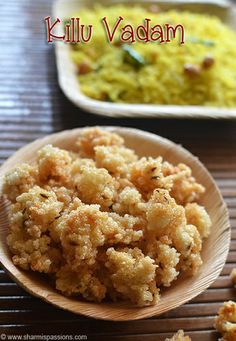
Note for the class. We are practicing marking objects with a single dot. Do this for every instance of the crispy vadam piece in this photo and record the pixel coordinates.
(57, 226)
(93, 137)
(197, 215)
(146, 174)
(114, 158)
(166, 257)
(179, 336)
(20, 180)
(86, 228)
(28, 239)
(84, 283)
(189, 243)
(130, 228)
(129, 201)
(54, 163)
(106, 224)
(96, 186)
(165, 217)
(185, 188)
(133, 275)
(233, 276)
(225, 322)
(78, 164)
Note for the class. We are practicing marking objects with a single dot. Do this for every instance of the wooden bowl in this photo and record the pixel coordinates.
(215, 248)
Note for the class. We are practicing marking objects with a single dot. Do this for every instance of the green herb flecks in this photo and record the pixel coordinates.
(132, 57)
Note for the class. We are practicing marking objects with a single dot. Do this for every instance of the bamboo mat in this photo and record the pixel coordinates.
(31, 106)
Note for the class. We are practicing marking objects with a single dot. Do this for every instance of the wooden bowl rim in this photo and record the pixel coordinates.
(114, 311)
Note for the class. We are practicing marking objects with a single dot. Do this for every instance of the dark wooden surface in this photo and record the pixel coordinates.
(31, 106)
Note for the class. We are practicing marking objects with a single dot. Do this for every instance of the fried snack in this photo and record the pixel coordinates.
(179, 336)
(197, 215)
(225, 322)
(146, 174)
(83, 283)
(166, 257)
(28, 239)
(95, 186)
(93, 137)
(54, 163)
(20, 180)
(166, 218)
(185, 189)
(87, 228)
(114, 158)
(129, 201)
(104, 223)
(133, 275)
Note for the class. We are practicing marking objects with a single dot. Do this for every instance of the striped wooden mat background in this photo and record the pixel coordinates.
(31, 105)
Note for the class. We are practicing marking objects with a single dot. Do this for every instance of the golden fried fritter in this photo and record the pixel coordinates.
(185, 189)
(93, 137)
(104, 223)
(197, 215)
(225, 322)
(115, 159)
(133, 275)
(179, 336)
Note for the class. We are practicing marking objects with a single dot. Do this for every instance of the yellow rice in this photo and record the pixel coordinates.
(162, 80)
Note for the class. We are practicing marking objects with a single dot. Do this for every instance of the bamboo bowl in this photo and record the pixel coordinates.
(215, 248)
